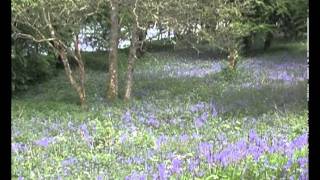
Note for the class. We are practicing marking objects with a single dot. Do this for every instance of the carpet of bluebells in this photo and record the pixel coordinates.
(189, 119)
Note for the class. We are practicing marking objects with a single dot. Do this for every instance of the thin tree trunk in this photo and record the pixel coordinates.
(62, 53)
(81, 71)
(233, 59)
(141, 45)
(112, 91)
(131, 60)
(267, 42)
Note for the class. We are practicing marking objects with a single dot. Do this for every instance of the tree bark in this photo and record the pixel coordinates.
(233, 59)
(80, 63)
(112, 91)
(62, 53)
(131, 60)
(141, 46)
(267, 42)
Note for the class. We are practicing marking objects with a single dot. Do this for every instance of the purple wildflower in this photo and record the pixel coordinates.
(205, 148)
(299, 142)
(288, 165)
(201, 120)
(137, 160)
(197, 107)
(193, 164)
(184, 138)
(303, 162)
(126, 117)
(100, 177)
(20, 178)
(136, 176)
(160, 141)
(44, 142)
(252, 135)
(85, 134)
(162, 171)
(123, 138)
(152, 121)
(16, 147)
(69, 161)
(213, 108)
(176, 165)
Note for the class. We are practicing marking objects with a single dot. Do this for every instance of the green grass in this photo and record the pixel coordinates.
(167, 87)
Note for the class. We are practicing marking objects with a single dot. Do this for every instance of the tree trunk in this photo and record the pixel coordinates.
(79, 88)
(80, 63)
(112, 91)
(160, 32)
(141, 46)
(247, 41)
(267, 42)
(62, 53)
(131, 60)
(233, 59)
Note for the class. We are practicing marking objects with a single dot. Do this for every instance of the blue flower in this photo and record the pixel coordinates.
(69, 161)
(152, 121)
(126, 117)
(193, 164)
(44, 142)
(85, 134)
(184, 138)
(162, 171)
(18, 147)
(176, 165)
(161, 141)
(200, 121)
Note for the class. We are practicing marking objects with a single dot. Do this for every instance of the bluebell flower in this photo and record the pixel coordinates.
(302, 162)
(299, 142)
(18, 147)
(205, 148)
(161, 141)
(252, 136)
(176, 165)
(100, 177)
(152, 121)
(69, 161)
(123, 138)
(193, 164)
(200, 121)
(44, 142)
(184, 138)
(162, 171)
(85, 134)
(136, 176)
(126, 117)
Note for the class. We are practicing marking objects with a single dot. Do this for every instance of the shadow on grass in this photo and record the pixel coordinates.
(245, 101)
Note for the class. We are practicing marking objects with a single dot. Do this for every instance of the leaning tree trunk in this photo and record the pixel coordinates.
(112, 91)
(80, 89)
(131, 60)
(62, 50)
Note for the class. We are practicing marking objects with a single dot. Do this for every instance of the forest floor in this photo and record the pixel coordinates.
(189, 118)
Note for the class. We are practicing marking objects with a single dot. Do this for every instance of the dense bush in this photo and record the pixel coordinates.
(98, 61)
(27, 70)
